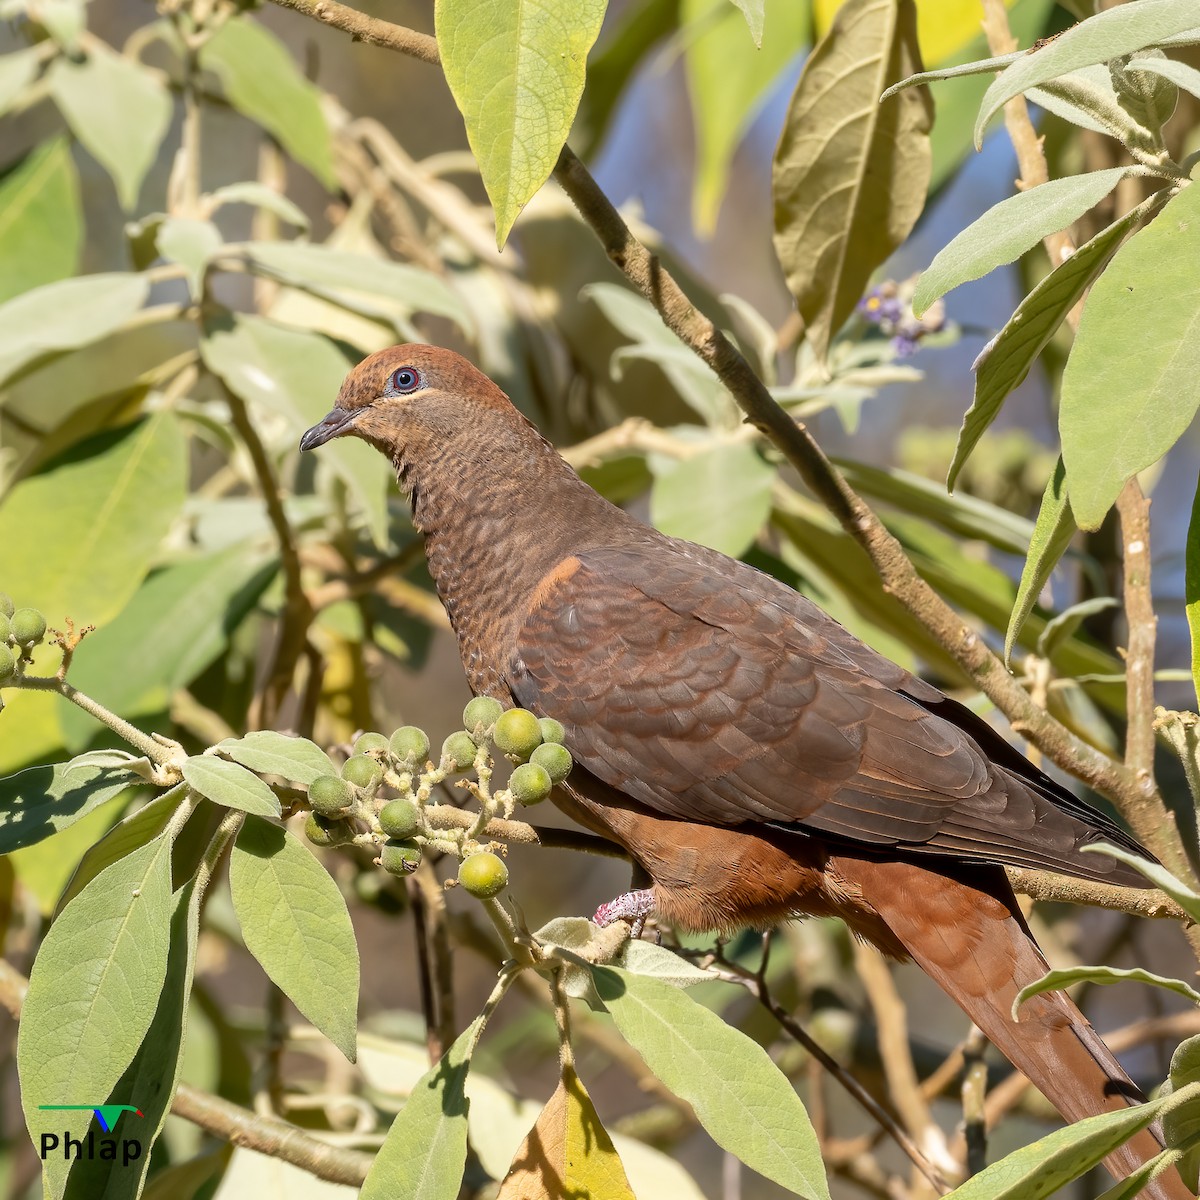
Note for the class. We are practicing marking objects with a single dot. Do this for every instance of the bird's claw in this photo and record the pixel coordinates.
(633, 907)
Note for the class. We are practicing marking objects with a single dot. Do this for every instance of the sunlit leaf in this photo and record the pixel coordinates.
(281, 754)
(230, 785)
(41, 220)
(1088, 99)
(567, 1153)
(516, 70)
(117, 109)
(850, 174)
(294, 921)
(1182, 1125)
(258, 195)
(1056, 980)
(1158, 875)
(1177, 72)
(93, 992)
(260, 77)
(1128, 389)
(18, 69)
(191, 243)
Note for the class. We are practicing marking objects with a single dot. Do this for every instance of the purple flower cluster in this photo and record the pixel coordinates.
(889, 305)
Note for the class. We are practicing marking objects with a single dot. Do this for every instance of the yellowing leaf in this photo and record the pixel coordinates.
(567, 1153)
(850, 173)
(516, 70)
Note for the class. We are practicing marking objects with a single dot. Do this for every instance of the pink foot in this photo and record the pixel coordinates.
(633, 907)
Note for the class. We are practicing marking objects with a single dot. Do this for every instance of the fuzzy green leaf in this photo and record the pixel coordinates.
(1128, 390)
(294, 921)
(850, 174)
(1054, 981)
(516, 70)
(1158, 875)
(190, 243)
(740, 1096)
(93, 992)
(272, 753)
(230, 785)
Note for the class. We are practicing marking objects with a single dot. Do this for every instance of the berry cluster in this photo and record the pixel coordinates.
(382, 796)
(20, 630)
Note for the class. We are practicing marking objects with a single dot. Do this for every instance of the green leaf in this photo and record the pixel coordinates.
(1158, 875)
(1128, 389)
(1088, 99)
(1132, 1185)
(1063, 626)
(719, 497)
(340, 274)
(1105, 36)
(1052, 533)
(117, 109)
(1181, 1126)
(656, 962)
(1191, 587)
(93, 992)
(297, 375)
(728, 79)
(177, 622)
(1006, 360)
(752, 10)
(18, 70)
(41, 220)
(425, 1151)
(80, 535)
(850, 174)
(740, 1097)
(260, 79)
(1010, 228)
(272, 753)
(230, 785)
(150, 1080)
(1178, 73)
(63, 315)
(1054, 981)
(190, 243)
(973, 66)
(516, 70)
(260, 196)
(1040, 1169)
(294, 921)
(40, 801)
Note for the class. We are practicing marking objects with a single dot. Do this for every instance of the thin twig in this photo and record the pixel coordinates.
(1134, 510)
(974, 1097)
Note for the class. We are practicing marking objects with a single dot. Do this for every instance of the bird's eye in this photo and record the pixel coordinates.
(405, 379)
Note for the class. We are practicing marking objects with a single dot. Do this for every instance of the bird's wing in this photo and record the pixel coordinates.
(709, 691)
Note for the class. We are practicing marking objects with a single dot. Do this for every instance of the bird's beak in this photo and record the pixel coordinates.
(331, 426)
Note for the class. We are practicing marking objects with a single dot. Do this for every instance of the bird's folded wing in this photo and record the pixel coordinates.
(708, 691)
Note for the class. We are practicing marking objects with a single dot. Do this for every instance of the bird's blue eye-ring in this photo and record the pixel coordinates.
(406, 379)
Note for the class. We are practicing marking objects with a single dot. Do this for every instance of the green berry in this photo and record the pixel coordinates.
(400, 856)
(554, 759)
(369, 743)
(482, 713)
(483, 874)
(552, 731)
(28, 626)
(530, 784)
(517, 733)
(400, 819)
(322, 831)
(410, 744)
(6, 604)
(8, 664)
(5, 627)
(362, 771)
(329, 796)
(459, 748)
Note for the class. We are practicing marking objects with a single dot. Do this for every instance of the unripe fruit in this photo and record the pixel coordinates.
(517, 733)
(400, 857)
(369, 742)
(400, 819)
(530, 784)
(362, 771)
(5, 627)
(554, 759)
(8, 664)
(460, 749)
(6, 604)
(329, 796)
(482, 713)
(483, 874)
(410, 744)
(322, 831)
(28, 626)
(552, 730)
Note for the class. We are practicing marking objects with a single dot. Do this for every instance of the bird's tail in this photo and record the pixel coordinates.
(972, 939)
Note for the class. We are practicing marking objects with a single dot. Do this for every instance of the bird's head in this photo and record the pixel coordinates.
(402, 389)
